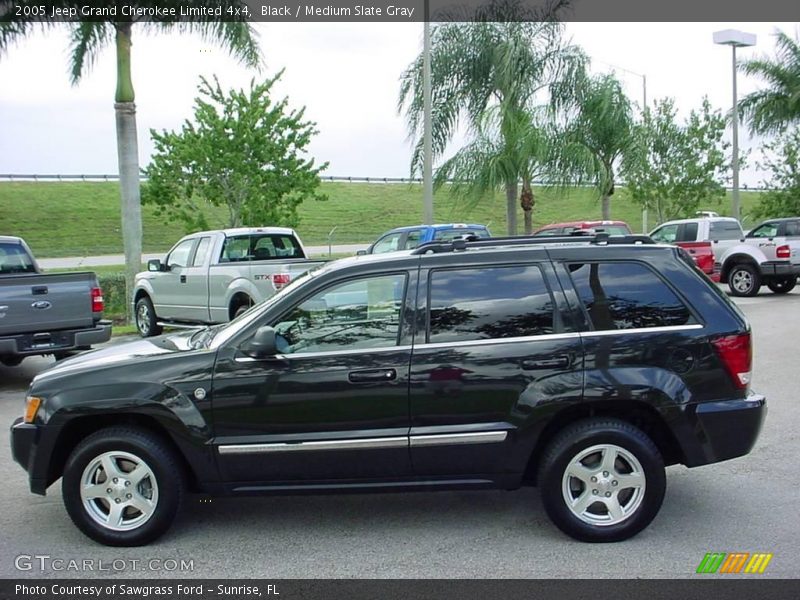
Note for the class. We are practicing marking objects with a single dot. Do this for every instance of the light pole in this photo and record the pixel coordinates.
(427, 139)
(735, 39)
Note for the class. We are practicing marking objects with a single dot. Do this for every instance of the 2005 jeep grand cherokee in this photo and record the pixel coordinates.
(583, 366)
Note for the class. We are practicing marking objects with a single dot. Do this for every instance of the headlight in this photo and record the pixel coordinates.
(32, 404)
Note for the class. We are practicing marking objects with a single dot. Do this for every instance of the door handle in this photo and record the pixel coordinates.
(39, 290)
(183, 278)
(557, 362)
(372, 375)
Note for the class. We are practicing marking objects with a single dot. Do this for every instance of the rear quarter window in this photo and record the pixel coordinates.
(14, 259)
(627, 295)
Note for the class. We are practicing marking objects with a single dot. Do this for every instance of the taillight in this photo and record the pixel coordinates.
(281, 279)
(97, 300)
(736, 352)
(783, 252)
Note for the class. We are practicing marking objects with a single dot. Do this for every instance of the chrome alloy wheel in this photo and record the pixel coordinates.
(119, 491)
(603, 485)
(742, 281)
(143, 318)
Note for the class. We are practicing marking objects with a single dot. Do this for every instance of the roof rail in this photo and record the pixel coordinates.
(598, 239)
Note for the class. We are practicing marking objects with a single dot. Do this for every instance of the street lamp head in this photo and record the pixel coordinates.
(734, 37)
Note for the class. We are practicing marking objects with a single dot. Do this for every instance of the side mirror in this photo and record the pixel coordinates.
(262, 344)
(361, 253)
(154, 265)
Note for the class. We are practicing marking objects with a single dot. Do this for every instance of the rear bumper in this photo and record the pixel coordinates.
(24, 441)
(49, 342)
(725, 429)
(779, 268)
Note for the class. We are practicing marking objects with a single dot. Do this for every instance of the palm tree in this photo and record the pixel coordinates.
(508, 148)
(776, 107)
(598, 130)
(478, 65)
(88, 38)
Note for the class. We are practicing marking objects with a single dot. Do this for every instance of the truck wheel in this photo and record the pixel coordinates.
(243, 308)
(782, 286)
(146, 318)
(122, 486)
(602, 480)
(11, 361)
(744, 280)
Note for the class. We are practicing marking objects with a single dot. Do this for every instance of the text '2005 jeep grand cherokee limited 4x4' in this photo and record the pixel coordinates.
(581, 366)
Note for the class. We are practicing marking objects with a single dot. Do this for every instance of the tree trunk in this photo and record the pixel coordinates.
(606, 207)
(128, 156)
(527, 201)
(511, 207)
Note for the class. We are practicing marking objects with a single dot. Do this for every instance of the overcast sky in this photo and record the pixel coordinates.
(345, 74)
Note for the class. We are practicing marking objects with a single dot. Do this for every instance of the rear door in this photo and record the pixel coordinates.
(491, 354)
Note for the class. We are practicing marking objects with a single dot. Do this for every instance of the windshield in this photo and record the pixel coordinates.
(222, 333)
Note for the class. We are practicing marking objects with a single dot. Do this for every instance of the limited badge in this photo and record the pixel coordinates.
(200, 393)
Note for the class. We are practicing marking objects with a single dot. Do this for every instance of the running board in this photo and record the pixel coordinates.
(178, 325)
(366, 487)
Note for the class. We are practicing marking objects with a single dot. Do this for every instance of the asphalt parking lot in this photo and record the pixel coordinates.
(745, 505)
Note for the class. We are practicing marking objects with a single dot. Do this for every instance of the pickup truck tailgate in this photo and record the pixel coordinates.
(37, 302)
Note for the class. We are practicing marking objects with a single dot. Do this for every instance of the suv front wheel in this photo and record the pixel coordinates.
(602, 480)
(122, 486)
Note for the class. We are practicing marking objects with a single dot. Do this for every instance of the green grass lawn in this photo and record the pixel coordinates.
(83, 219)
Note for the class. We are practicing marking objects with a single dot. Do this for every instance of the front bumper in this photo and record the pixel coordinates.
(725, 429)
(24, 440)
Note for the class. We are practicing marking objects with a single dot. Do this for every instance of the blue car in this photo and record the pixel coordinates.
(406, 238)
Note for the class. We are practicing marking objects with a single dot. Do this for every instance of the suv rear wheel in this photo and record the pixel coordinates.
(122, 486)
(744, 280)
(602, 480)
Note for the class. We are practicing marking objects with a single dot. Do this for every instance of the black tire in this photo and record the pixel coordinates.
(164, 482)
(744, 280)
(11, 361)
(146, 320)
(782, 286)
(641, 504)
(243, 308)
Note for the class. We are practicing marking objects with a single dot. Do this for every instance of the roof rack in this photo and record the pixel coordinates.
(598, 239)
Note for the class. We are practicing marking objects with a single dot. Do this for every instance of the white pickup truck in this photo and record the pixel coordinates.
(213, 276)
(770, 254)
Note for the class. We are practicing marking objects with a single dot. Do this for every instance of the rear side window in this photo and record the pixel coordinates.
(725, 230)
(489, 303)
(627, 296)
(687, 233)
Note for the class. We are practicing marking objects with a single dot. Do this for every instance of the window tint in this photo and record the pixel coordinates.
(179, 257)
(725, 230)
(13, 259)
(688, 233)
(792, 229)
(357, 314)
(201, 252)
(499, 302)
(266, 246)
(448, 235)
(389, 243)
(627, 296)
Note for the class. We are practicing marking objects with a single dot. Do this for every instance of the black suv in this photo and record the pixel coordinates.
(583, 366)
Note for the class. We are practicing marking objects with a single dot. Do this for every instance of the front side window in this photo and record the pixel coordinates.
(627, 296)
(765, 231)
(14, 259)
(666, 234)
(179, 257)
(389, 243)
(413, 239)
(364, 313)
(489, 303)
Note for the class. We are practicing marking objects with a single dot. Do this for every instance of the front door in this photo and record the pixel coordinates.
(493, 361)
(333, 405)
(168, 290)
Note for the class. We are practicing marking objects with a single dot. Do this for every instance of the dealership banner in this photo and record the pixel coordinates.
(391, 589)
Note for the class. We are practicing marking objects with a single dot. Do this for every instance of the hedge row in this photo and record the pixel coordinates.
(113, 286)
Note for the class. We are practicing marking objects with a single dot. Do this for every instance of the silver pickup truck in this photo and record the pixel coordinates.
(40, 314)
(213, 276)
